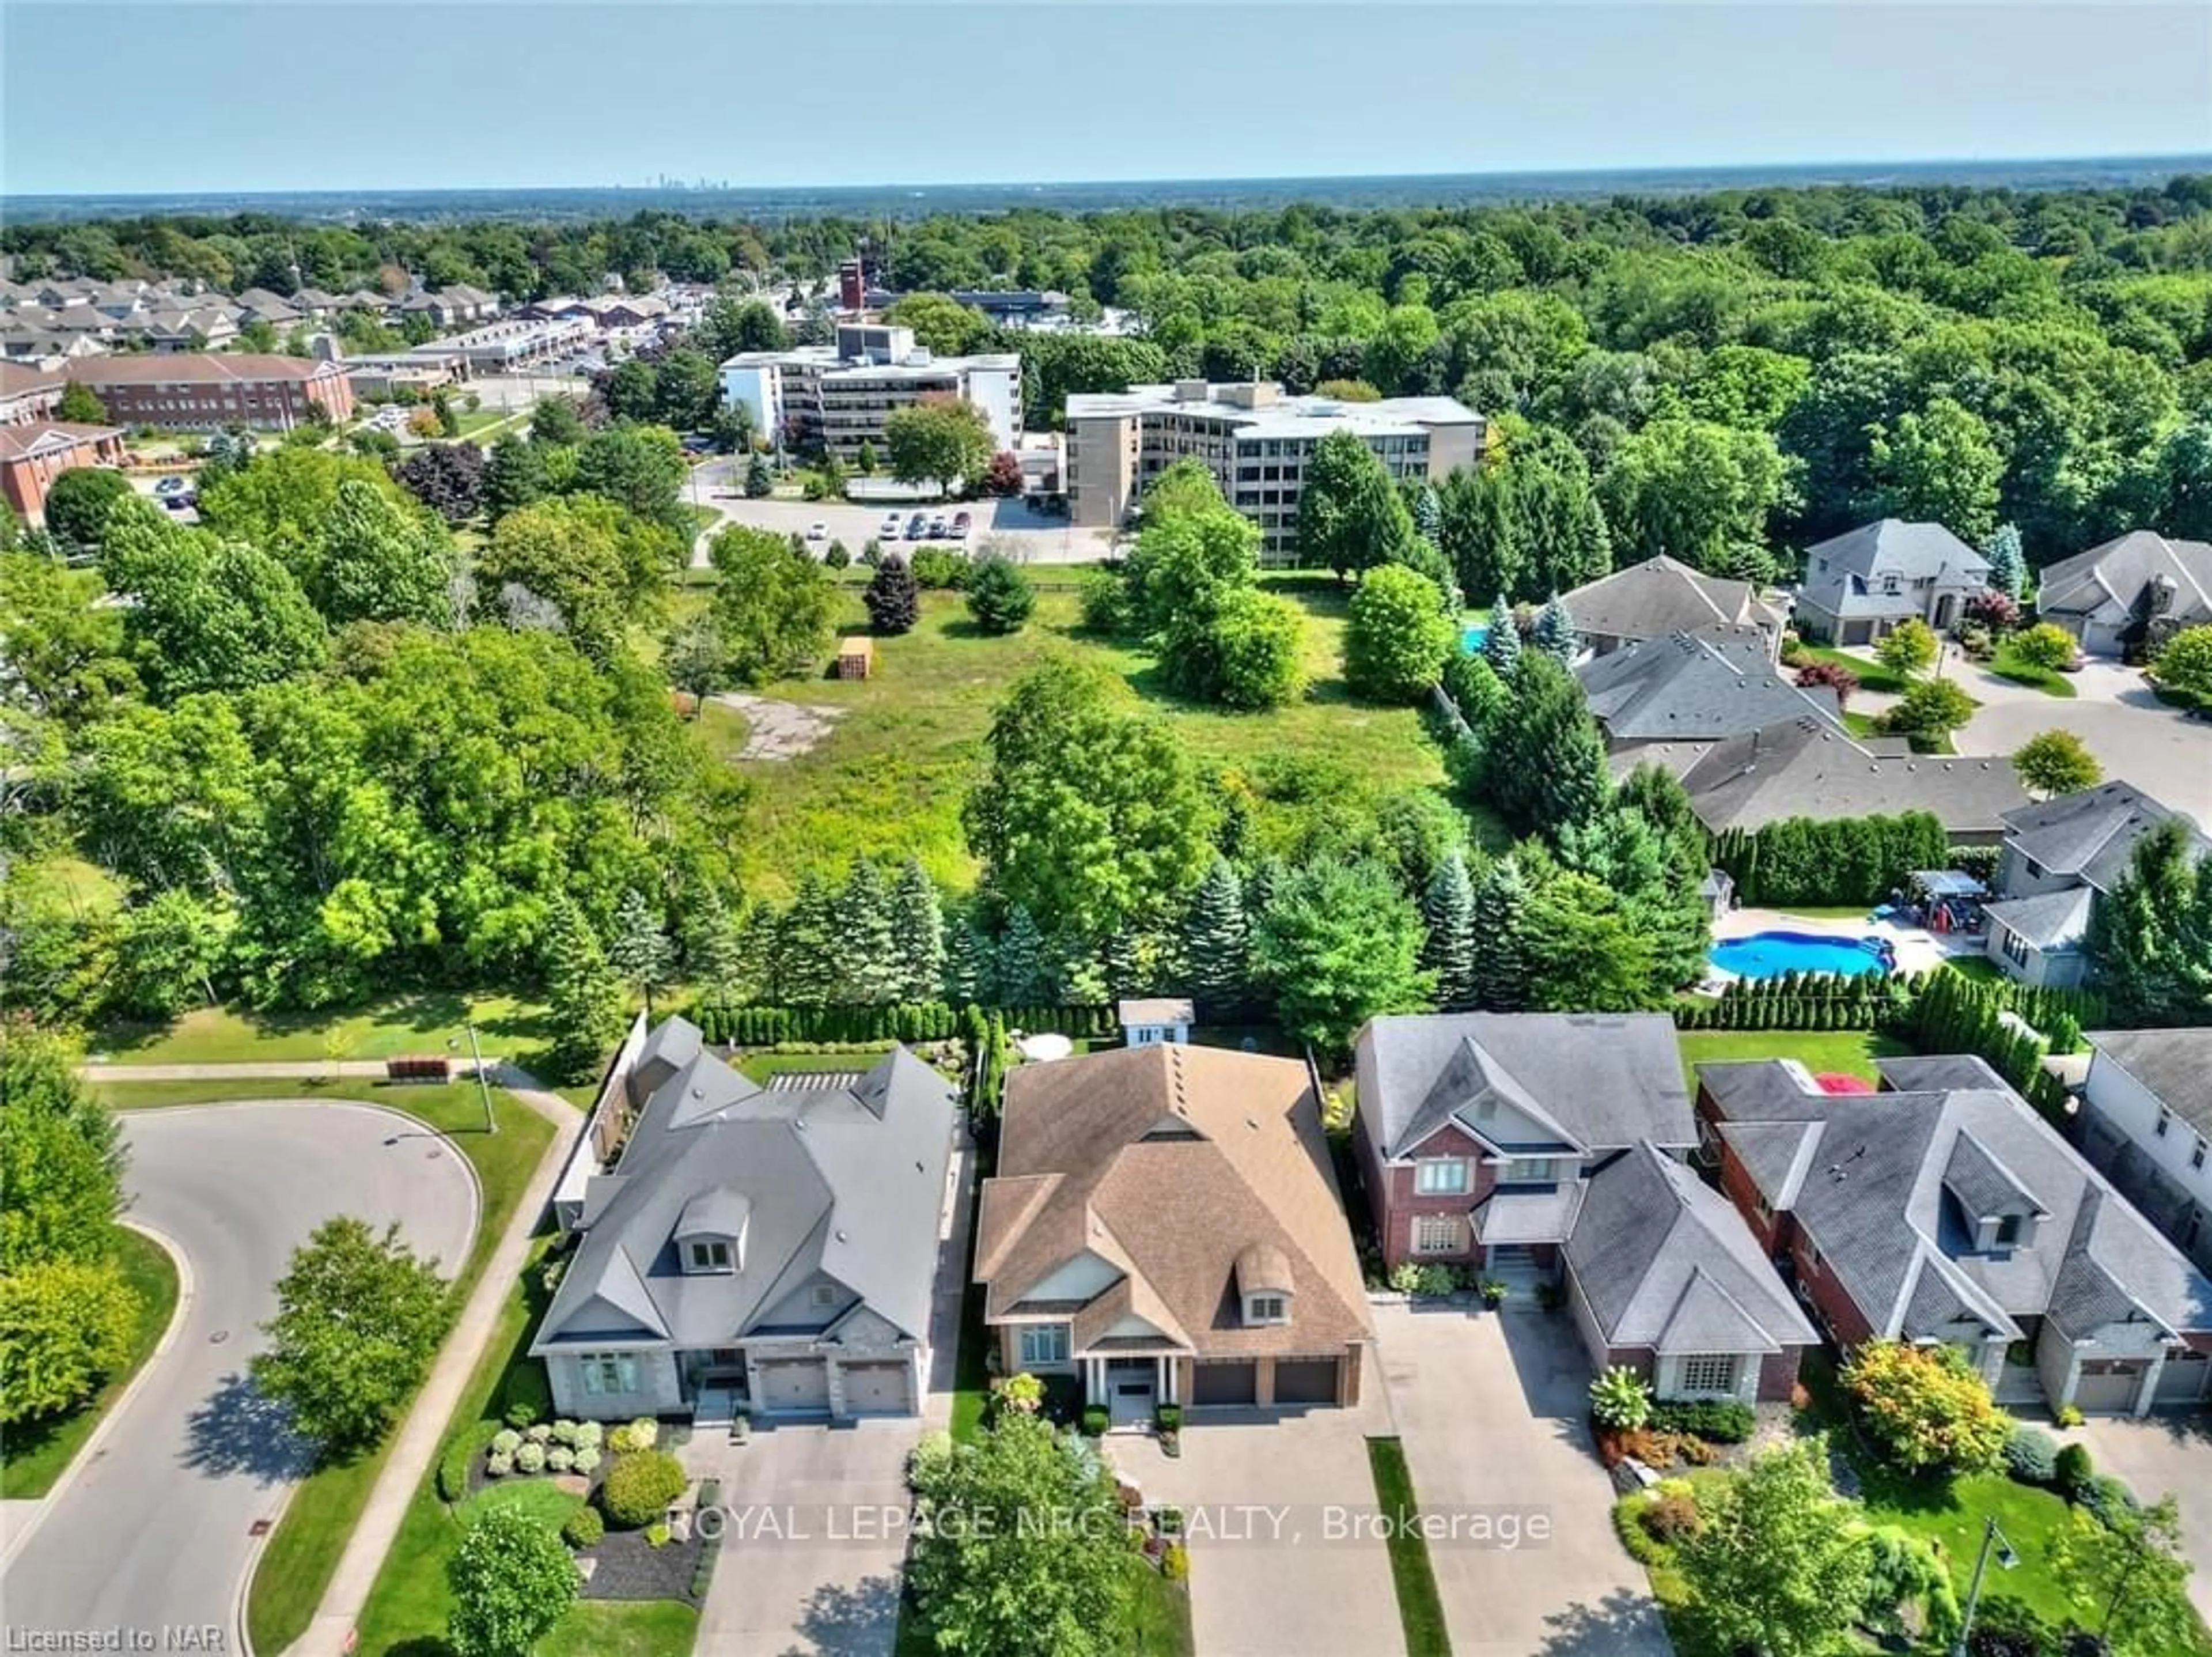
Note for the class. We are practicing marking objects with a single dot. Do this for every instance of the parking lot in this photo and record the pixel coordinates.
(1023, 534)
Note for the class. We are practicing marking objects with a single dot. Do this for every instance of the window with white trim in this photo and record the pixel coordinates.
(1528, 1171)
(1708, 1372)
(1436, 1233)
(1440, 1176)
(1265, 1309)
(714, 1256)
(1043, 1343)
(608, 1374)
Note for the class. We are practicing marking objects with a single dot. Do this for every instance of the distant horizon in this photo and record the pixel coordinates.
(289, 96)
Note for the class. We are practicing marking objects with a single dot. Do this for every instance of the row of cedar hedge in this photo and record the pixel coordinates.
(1845, 859)
(1803, 1000)
(763, 1026)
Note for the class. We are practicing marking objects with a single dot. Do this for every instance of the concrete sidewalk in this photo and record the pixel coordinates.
(331, 1634)
(298, 1069)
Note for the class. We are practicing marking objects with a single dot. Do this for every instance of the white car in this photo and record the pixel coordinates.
(888, 531)
(817, 531)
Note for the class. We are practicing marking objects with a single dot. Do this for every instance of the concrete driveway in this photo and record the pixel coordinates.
(2162, 1455)
(815, 1540)
(1273, 1566)
(2135, 737)
(1492, 1410)
(152, 1526)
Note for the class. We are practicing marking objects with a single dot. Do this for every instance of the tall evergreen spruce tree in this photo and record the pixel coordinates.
(714, 950)
(808, 963)
(583, 996)
(1555, 629)
(1216, 938)
(1023, 974)
(1448, 912)
(760, 954)
(1501, 954)
(968, 975)
(1501, 648)
(2008, 563)
(867, 949)
(639, 950)
(917, 933)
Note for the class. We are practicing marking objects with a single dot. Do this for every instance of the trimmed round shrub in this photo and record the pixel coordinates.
(640, 1435)
(583, 1527)
(564, 1432)
(560, 1458)
(2071, 1470)
(639, 1487)
(506, 1442)
(2031, 1456)
(589, 1435)
(497, 1465)
(587, 1460)
(530, 1457)
(540, 1433)
(1671, 1518)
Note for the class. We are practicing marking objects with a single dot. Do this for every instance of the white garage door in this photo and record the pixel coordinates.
(2112, 1392)
(878, 1389)
(792, 1385)
(2182, 1380)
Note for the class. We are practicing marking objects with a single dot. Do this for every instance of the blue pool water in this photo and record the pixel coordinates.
(1473, 637)
(1770, 954)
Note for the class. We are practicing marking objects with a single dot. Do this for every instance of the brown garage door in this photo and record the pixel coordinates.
(1224, 1383)
(793, 1386)
(2108, 1392)
(1305, 1380)
(874, 1389)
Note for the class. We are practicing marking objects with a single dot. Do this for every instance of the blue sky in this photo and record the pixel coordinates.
(331, 95)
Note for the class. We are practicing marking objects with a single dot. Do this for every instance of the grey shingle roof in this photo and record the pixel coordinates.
(1696, 687)
(1605, 1079)
(1665, 1261)
(2051, 920)
(2092, 834)
(2174, 1065)
(2118, 572)
(1663, 596)
(1912, 551)
(1877, 1202)
(1982, 1185)
(1808, 767)
(847, 1182)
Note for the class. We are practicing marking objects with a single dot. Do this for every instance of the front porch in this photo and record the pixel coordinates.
(1130, 1385)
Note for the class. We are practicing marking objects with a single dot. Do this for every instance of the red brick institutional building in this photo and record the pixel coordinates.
(204, 391)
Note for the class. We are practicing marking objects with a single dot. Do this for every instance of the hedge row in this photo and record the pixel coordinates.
(1802, 1001)
(762, 1026)
(1848, 860)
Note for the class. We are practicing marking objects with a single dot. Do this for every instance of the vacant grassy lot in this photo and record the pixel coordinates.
(421, 1022)
(1850, 1052)
(38, 1451)
(888, 782)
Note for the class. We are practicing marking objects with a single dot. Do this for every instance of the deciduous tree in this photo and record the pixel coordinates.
(1779, 1563)
(65, 1326)
(512, 1579)
(1939, 466)
(1351, 516)
(2057, 762)
(772, 606)
(1397, 637)
(1337, 944)
(948, 443)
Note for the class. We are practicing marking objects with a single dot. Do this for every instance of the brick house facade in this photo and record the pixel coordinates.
(204, 392)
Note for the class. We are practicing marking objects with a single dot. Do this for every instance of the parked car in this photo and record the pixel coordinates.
(178, 503)
(917, 527)
(890, 531)
(938, 529)
(172, 486)
(817, 531)
(960, 522)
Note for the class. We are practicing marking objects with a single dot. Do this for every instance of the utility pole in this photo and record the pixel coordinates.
(484, 1087)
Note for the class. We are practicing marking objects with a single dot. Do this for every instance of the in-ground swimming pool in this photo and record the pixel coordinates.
(1770, 954)
(1474, 637)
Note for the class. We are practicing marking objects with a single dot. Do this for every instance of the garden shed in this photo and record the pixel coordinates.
(856, 656)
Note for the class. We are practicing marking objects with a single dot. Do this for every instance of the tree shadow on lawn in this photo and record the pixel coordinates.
(842, 1621)
(237, 1431)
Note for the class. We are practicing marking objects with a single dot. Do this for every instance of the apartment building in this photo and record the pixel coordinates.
(33, 453)
(839, 396)
(1254, 439)
(195, 392)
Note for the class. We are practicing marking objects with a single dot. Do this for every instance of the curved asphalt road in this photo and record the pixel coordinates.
(154, 1530)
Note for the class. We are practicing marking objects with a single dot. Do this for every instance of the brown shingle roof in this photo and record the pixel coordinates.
(29, 437)
(188, 367)
(1172, 1163)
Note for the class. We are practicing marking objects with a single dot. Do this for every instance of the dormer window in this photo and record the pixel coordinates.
(1266, 1309)
(1263, 1284)
(2008, 1229)
(712, 1255)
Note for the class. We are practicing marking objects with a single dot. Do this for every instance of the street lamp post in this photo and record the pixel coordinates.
(1991, 1537)
(484, 1087)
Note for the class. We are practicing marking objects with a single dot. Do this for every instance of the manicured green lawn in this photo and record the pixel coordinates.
(1158, 1621)
(1952, 1516)
(38, 1451)
(1420, 1608)
(420, 1023)
(303, 1550)
(1872, 675)
(617, 1628)
(2007, 664)
(889, 780)
(1847, 1051)
(410, 1601)
(1977, 969)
